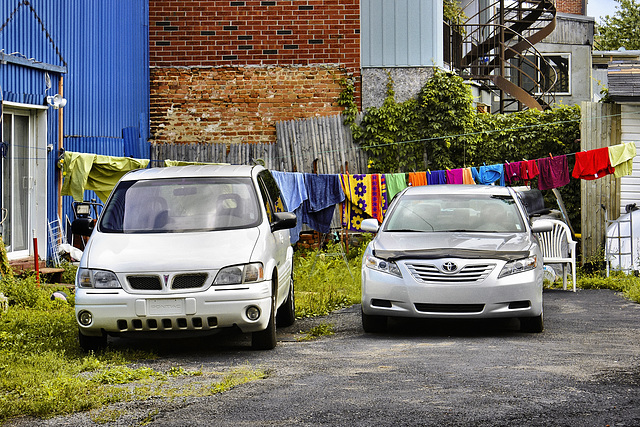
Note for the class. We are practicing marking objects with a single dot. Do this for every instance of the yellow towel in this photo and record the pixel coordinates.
(621, 158)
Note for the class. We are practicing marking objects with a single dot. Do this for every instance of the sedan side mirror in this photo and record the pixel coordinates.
(283, 220)
(370, 224)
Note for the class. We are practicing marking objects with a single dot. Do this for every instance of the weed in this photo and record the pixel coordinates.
(324, 329)
(237, 377)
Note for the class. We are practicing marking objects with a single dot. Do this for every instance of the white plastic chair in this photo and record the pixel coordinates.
(558, 247)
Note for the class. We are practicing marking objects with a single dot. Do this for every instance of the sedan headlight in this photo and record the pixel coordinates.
(382, 265)
(98, 279)
(519, 266)
(237, 274)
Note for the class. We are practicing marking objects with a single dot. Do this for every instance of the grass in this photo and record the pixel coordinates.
(322, 330)
(44, 373)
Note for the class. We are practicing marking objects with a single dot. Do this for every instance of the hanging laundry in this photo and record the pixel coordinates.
(467, 176)
(512, 172)
(396, 182)
(357, 190)
(621, 158)
(84, 171)
(487, 175)
(592, 164)
(554, 172)
(436, 177)
(528, 170)
(454, 176)
(325, 192)
(417, 178)
(295, 193)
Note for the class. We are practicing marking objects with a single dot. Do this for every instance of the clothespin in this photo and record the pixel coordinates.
(550, 155)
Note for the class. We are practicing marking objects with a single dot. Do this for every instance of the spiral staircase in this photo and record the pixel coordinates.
(495, 47)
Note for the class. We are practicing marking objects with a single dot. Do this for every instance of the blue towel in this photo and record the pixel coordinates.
(293, 189)
(487, 175)
(295, 193)
(325, 191)
(436, 177)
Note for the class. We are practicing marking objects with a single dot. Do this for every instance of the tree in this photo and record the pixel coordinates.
(621, 29)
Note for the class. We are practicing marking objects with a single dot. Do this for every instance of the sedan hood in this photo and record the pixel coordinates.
(149, 252)
(402, 245)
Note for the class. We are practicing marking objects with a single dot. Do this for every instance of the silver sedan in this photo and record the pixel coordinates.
(453, 251)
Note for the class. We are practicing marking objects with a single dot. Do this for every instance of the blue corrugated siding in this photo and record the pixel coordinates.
(401, 33)
(104, 46)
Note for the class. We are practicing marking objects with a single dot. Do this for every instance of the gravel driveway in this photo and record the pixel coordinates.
(583, 370)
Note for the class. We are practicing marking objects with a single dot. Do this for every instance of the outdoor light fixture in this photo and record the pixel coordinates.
(56, 101)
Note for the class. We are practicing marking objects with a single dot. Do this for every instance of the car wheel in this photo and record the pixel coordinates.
(532, 324)
(373, 324)
(287, 312)
(266, 339)
(91, 343)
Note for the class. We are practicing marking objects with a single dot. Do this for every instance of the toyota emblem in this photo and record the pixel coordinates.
(449, 267)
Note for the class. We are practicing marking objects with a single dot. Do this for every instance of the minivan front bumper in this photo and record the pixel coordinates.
(115, 311)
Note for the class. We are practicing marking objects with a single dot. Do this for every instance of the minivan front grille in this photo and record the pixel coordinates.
(189, 281)
(145, 283)
(468, 273)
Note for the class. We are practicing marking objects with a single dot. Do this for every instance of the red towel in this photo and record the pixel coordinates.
(592, 164)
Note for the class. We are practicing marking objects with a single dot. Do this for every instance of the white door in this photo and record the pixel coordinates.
(17, 132)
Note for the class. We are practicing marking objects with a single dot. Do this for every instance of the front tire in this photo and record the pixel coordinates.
(373, 324)
(532, 324)
(266, 339)
(92, 343)
(287, 312)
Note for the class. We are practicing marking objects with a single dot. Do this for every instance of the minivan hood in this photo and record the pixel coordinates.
(402, 245)
(149, 252)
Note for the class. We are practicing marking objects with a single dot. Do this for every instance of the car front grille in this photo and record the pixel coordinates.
(189, 281)
(145, 283)
(449, 308)
(432, 274)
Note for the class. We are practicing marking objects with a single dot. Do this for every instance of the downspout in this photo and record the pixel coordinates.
(60, 145)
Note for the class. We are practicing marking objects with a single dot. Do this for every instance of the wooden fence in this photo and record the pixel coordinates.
(319, 144)
(600, 126)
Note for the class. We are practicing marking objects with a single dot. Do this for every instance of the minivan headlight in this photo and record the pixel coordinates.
(519, 266)
(382, 265)
(98, 279)
(237, 274)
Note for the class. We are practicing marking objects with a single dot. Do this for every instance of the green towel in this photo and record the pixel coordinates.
(396, 182)
(83, 171)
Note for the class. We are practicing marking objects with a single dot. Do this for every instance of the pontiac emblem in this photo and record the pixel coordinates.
(449, 267)
(166, 280)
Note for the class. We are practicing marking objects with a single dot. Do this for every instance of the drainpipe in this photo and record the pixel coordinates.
(60, 145)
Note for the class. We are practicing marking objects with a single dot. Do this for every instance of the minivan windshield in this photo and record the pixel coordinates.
(176, 205)
(456, 212)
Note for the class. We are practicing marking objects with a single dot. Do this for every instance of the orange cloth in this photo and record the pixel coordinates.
(417, 178)
(467, 176)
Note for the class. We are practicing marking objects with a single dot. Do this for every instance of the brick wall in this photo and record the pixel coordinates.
(577, 7)
(226, 71)
(237, 104)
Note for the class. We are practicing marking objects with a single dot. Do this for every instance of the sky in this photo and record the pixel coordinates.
(599, 8)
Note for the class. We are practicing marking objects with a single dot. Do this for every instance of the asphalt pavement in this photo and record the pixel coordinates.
(583, 370)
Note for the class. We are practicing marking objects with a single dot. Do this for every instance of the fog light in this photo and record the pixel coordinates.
(253, 313)
(85, 318)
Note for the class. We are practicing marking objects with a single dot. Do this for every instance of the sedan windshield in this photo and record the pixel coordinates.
(464, 213)
(180, 205)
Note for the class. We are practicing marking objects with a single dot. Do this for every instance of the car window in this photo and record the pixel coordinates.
(271, 194)
(181, 205)
(483, 213)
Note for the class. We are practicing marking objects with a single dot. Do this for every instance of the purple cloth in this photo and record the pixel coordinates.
(512, 172)
(454, 176)
(436, 177)
(554, 172)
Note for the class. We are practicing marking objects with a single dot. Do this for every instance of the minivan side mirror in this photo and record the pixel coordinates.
(541, 226)
(83, 226)
(369, 224)
(283, 220)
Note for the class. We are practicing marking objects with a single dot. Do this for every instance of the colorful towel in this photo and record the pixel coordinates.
(417, 178)
(436, 177)
(554, 172)
(467, 176)
(396, 182)
(454, 176)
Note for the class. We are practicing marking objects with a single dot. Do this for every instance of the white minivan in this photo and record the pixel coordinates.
(187, 250)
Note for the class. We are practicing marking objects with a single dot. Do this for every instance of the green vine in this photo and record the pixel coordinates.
(441, 129)
(347, 100)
